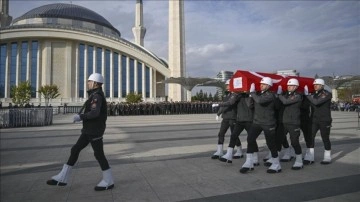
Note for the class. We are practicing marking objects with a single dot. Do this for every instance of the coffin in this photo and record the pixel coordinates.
(241, 81)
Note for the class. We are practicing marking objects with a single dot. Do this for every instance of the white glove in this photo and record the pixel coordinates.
(77, 118)
(215, 105)
(306, 90)
(217, 117)
(279, 91)
(252, 88)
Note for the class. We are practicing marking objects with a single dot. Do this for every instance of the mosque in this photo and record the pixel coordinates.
(63, 44)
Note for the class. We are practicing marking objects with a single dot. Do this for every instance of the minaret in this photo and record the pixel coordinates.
(176, 48)
(5, 18)
(138, 30)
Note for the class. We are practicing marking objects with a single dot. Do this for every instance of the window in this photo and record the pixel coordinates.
(132, 75)
(147, 82)
(13, 62)
(107, 73)
(123, 76)
(3, 53)
(81, 70)
(33, 67)
(139, 77)
(98, 60)
(116, 74)
(90, 62)
(24, 52)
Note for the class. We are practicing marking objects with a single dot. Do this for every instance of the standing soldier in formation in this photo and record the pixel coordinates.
(94, 124)
(291, 101)
(264, 120)
(321, 120)
(228, 113)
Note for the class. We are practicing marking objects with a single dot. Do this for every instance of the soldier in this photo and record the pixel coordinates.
(94, 124)
(321, 120)
(264, 120)
(244, 118)
(227, 111)
(291, 101)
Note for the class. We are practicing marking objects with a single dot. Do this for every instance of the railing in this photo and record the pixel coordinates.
(25, 117)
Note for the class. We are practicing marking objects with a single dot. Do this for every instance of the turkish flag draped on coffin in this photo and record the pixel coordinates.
(242, 80)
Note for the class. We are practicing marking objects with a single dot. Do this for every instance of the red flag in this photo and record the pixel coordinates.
(241, 81)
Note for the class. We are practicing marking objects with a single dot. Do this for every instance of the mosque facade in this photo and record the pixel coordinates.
(63, 44)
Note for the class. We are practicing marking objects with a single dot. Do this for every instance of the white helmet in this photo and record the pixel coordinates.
(98, 78)
(266, 80)
(227, 82)
(293, 82)
(319, 82)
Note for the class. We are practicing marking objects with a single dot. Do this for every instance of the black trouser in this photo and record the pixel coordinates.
(239, 127)
(225, 125)
(97, 146)
(306, 127)
(281, 140)
(280, 137)
(324, 128)
(294, 131)
(269, 132)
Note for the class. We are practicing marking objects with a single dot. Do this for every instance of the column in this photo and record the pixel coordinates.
(86, 73)
(127, 75)
(77, 62)
(38, 73)
(154, 84)
(18, 65)
(68, 73)
(136, 76)
(28, 61)
(120, 76)
(143, 82)
(111, 74)
(7, 69)
(151, 83)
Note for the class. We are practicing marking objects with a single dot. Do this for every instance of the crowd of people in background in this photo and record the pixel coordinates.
(345, 106)
(159, 108)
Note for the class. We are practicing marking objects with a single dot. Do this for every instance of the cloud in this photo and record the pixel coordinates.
(210, 49)
(309, 36)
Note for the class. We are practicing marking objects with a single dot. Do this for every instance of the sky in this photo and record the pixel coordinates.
(311, 37)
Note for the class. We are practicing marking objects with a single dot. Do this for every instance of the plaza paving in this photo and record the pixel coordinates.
(167, 158)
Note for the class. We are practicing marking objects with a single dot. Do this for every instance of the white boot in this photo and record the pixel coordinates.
(228, 156)
(248, 165)
(269, 162)
(309, 156)
(292, 152)
(107, 182)
(267, 157)
(238, 153)
(256, 159)
(219, 152)
(298, 163)
(61, 179)
(275, 166)
(327, 157)
(287, 155)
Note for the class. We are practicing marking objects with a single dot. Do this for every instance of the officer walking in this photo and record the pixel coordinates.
(321, 120)
(227, 111)
(291, 101)
(264, 120)
(94, 124)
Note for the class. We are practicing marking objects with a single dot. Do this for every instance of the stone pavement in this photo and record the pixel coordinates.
(167, 158)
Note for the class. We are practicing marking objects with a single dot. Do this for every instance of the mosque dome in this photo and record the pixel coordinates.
(66, 14)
